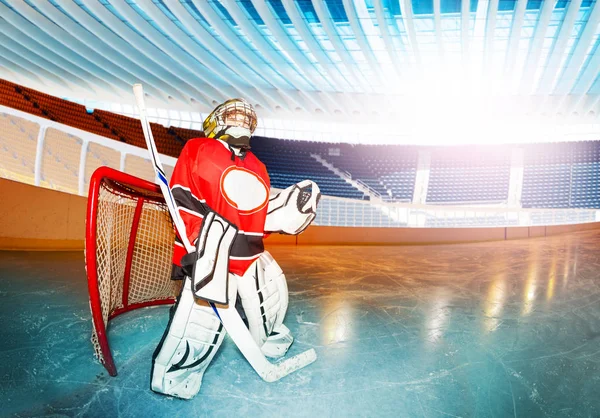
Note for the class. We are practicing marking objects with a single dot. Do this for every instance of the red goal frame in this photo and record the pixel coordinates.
(127, 185)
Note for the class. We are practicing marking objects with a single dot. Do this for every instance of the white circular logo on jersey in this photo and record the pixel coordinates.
(244, 190)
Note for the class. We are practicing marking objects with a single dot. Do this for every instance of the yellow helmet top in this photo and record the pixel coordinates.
(234, 112)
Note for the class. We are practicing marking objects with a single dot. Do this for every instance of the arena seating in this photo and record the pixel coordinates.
(18, 144)
(99, 122)
(555, 175)
(389, 170)
(10, 97)
(585, 175)
(131, 130)
(183, 134)
(288, 163)
(469, 174)
(562, 175)
(547, 176)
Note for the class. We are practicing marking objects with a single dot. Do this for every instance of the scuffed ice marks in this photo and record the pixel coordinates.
(482, 308)
(483, 330)
(32, 322)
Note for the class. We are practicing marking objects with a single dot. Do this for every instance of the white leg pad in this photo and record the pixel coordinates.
(264, 294)
(193, 337)
(278, 342)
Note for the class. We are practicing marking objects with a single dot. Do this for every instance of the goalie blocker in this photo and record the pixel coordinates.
(209, 264)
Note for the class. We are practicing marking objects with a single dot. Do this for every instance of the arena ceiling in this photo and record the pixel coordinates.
(336, 59)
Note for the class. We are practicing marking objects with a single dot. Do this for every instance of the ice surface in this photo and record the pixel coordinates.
(471, 330)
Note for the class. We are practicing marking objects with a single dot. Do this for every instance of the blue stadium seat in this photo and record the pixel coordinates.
(289, 162)
(469, 175)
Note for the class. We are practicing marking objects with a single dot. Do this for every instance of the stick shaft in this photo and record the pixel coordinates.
(158, 168)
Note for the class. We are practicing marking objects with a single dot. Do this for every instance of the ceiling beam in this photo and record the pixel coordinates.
(109, 53)
(372, 38)
(363, 43)
(186, 50)
(409, 24)
(230, 63)
(154, 54)
(437, 23)
(338, 44)
(287, 69)
(215, 86)
(325, 87)
(585, 82)
(513, 40)
(558, 49)
(570, 72)
(339, 82)
(346, 101)
(527, 85)
(490, 28)
(20, 61)
(294, 75)
(297, 56)
(22, 72)
(24, 36)
(28, 18)
(465, 24)
(387, 38)
(40, 60)
(127, 41)
(245, 50)
(590, 104)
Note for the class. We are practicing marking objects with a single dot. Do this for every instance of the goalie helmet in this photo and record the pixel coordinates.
(233, 122)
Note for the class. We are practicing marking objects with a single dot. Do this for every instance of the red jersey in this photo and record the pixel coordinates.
(209, 176)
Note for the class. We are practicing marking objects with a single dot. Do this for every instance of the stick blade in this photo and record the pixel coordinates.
(290, 365)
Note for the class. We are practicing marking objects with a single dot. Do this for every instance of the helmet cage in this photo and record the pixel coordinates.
(234, 112)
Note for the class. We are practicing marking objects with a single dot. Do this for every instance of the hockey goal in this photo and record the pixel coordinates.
(129, 248)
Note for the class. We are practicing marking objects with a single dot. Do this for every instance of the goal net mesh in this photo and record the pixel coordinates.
(128, 276)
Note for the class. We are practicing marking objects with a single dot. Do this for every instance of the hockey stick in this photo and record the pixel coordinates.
(231, 320)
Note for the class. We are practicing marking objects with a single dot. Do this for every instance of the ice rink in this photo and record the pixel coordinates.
(492, 329)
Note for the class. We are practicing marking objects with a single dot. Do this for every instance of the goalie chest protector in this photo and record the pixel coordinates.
(208, 176)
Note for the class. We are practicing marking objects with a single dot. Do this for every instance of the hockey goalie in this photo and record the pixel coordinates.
(221, 191)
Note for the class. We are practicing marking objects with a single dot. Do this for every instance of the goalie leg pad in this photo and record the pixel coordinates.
(192, 338)
(264, 295)
(278, 342)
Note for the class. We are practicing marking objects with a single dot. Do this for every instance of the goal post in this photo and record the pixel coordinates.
(128, 251)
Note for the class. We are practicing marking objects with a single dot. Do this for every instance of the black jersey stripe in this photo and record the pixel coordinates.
(243, 245)
(247, 246)
(185, 199)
